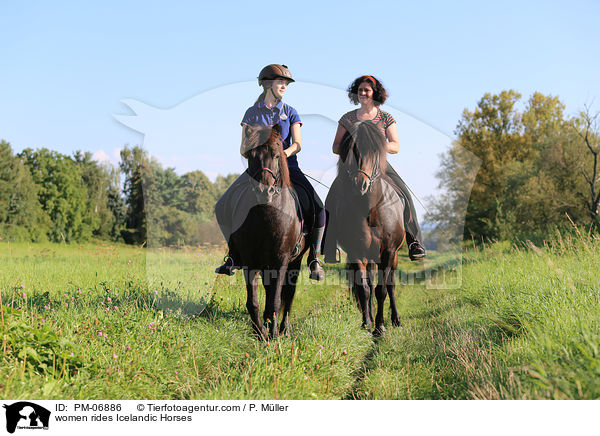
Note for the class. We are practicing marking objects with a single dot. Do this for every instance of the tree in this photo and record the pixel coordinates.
(61, 193)
(135, 166)
(586, 127)
(536, 167)
(104, 210)
(493, 133)
(21, 216)
(198, 195)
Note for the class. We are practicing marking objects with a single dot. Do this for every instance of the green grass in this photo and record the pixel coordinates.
(107, 321)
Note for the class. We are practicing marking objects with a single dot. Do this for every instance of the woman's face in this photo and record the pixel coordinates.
(279, 86)
(365, 93)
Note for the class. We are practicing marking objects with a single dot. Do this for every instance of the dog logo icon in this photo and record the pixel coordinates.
(26, 415)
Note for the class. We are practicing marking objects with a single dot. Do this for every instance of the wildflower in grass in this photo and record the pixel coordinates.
(108, 299)
(100, 334)
(22, 286)
(151, 325)
(128, 348)
(115, 356)
(344, 352)
(47, 307)
(116, 307)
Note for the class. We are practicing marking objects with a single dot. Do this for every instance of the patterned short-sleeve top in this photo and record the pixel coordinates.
(350, 120)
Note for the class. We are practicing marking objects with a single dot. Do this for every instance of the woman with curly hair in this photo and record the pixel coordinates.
(369, 93)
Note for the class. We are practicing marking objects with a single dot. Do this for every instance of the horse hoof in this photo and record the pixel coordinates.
(379, 331)
(262, 335)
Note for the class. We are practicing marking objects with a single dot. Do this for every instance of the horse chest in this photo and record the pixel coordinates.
(269, 234)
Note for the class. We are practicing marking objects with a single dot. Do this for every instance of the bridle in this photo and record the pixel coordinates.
(375, 172)
(277, 177)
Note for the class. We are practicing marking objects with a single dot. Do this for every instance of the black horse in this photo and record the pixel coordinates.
(366, 215)
(266, 232)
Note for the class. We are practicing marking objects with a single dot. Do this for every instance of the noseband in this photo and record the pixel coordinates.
(277, 177)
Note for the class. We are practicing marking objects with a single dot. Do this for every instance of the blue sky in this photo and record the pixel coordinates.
(65, 68)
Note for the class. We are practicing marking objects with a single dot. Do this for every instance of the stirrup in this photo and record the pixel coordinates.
(421, 253)
(228, 266)
(337, 258)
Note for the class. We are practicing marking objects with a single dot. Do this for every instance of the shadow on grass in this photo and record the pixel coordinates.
(362, 371)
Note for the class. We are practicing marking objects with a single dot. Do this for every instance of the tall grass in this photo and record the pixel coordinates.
(100, 321)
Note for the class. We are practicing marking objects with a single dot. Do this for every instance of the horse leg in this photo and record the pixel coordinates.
(362, 291)
(251, 277)
(287, 294)
(272, 281)
(381, 291)
(391, 285)
(371, 271)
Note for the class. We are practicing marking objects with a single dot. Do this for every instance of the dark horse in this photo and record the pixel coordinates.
(367, 214)
(267, 233)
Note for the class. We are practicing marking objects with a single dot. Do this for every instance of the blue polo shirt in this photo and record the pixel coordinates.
(282, 114)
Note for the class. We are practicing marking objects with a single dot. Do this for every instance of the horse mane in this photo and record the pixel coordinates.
(368, 140)
(275, 143)
(259, 136)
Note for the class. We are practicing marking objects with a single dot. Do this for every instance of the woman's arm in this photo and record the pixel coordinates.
(296, 145)
(339, 134)
(393, 144)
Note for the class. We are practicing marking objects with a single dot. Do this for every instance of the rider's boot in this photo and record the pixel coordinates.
(314, 264)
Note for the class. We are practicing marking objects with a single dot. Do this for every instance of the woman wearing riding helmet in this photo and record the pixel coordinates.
(370, 94)
(268, 110)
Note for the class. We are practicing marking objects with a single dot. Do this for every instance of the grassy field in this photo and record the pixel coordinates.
(107, 321)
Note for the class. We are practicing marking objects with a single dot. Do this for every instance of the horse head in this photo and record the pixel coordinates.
(363, 156)
(267, 163)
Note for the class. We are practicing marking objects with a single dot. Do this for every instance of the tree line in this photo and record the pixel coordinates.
(519, 173)
(515, 171)
(49, 196)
